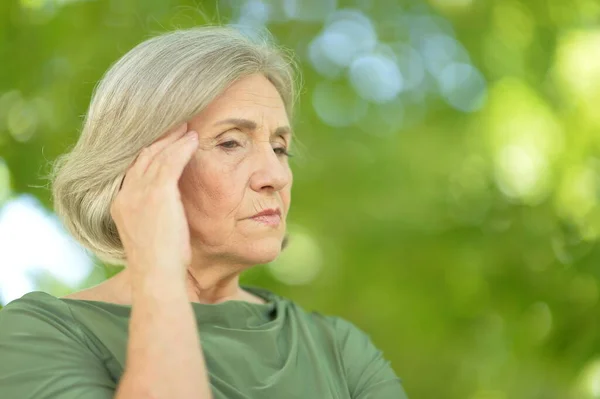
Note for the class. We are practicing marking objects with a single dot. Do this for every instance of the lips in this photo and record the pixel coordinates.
(269, 212)
(270, 217)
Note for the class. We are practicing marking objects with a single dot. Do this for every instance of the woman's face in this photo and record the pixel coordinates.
(239, 170)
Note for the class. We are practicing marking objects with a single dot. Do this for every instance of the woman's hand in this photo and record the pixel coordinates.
(148, 211)
(164, 353)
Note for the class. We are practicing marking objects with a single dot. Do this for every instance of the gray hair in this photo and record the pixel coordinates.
(159, 84)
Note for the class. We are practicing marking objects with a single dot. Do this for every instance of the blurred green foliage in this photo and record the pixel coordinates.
(464, 242)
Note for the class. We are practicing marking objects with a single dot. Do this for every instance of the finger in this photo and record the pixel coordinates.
(139, 165)
(158, 146)
(169, 164)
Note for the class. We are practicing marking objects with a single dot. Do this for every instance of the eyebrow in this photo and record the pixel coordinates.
(247, 124)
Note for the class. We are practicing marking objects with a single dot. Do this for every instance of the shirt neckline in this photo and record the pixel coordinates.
(263, 293)
(232, 314)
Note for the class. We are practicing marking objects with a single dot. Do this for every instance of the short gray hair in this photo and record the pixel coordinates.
(159, 84)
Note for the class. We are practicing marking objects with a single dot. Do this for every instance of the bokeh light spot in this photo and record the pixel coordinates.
(5, 182)
(329, 53)
(361, 34)
(300, 262)
(587, 385)
(309, 10)
(410, 63)
(440, 50)
(577, 193)
(22, 120)
(255, 11)
(521, 173)
(376, 78)
(577, 70)
(463, 87)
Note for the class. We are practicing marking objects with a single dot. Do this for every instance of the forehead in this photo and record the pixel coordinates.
(253, 97)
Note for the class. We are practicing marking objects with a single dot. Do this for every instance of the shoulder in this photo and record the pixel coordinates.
(37, 314)
(43, 349)
(335, 328)
(34, 303)
(368, 372)
(350, 340)
(335, 324)
(44, 322)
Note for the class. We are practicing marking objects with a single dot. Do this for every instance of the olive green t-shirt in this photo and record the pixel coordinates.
(59, 348)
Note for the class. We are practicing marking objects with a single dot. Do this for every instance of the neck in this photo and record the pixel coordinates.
(206, 286)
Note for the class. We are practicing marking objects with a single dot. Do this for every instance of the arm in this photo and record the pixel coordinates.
(43, 352)
(164, 356)
(369, 375)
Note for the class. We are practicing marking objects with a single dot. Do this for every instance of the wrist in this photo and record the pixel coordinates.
(158, 279)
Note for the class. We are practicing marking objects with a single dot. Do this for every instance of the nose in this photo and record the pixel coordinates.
(271, 172)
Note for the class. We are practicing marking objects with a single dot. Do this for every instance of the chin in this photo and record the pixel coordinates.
(263, 251)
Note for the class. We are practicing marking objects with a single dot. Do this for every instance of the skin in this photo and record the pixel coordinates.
(241, 170)
(238, 169)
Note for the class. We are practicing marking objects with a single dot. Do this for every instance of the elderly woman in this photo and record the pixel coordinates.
(181, 174)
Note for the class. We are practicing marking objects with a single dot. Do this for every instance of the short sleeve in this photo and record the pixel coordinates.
(369, 374)
(43, 354)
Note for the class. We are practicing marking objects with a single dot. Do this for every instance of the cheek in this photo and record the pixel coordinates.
(205, 187)
(222, 190)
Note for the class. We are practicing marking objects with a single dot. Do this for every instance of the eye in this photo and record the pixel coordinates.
(281, 151)
(230, 144)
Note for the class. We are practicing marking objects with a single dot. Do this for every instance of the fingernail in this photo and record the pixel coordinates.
(192, 134)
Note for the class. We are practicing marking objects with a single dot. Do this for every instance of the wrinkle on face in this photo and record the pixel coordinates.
(217, 185)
